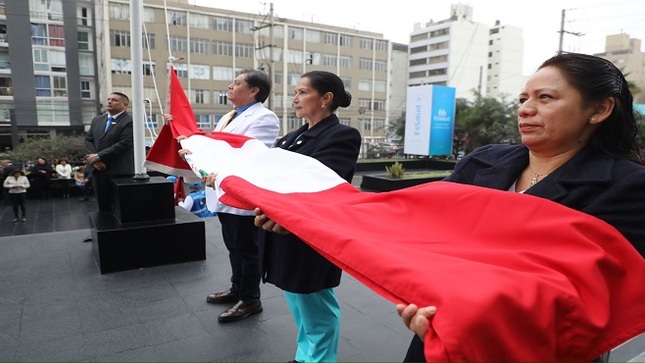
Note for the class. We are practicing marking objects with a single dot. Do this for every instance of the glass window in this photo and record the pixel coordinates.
(365, 63)
(83, 41)
(330, 38)
(82, 14)
(148, 41)
(41, 59)
(86, 91)
(380, 45)
(243, 50)
(119, 11)
(380, 66)
(38, 34)
(364, 85)
(313, 36)
(295, 56)
(203, 121)
(345, 40)
(243, 26)
(178, 44)
(43, 86)
(222, 24)
(345, 61)
(223, 48)
(223, 74)
(177, 18)
(199, 46)
(200, 72)
(148, 15)
(86, 64)
(295, 33)
(199, 21)
(119, 38)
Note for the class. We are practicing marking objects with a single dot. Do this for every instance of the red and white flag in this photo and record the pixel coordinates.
(514, 277)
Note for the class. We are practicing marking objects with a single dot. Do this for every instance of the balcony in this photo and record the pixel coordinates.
(6, 91)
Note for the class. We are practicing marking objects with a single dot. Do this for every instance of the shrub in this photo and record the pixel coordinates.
(71, 148)
(395, 171)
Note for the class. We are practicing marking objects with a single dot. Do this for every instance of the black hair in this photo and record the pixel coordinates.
(259, 79)
(324, 82)
(597, 79)
(124, 98)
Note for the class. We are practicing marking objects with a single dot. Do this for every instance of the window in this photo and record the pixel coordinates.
(222, 24)
(41, 59)
(379, 86)
(199, 46)
(380, 65)
(277, 77)
(345, 40)
(223, 74)
(364, 85)
(330, 38)
(292, 78)
(199, 21)
(365, 63)
(295, 33)
(177, 18)
(200, 96)
(294, 122)
(181, 70)
(366, 43)
(83, 41)
(149, 41)
(43, 86)
(347, 82)
(380, 45)
(203, 121)
(222, 99)
(178, 44)
(345, 61)
(85, 64)
(121, 66)
(243, 50)
(6, 87)
(344, 121)
(313, 36)
(83, 17)
(86, 91)
(223, 48)
(148, 15)
(119, 38)
(119, 11)
(365, 103)
(295, 56)
(329, 60)
(243, 26)
(38, 34)
(148, 68)
(199, 72)
(415, 50)
(379, 105)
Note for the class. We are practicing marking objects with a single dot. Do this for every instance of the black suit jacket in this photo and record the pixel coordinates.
(609, 188)
(114, 147)
(285, 260)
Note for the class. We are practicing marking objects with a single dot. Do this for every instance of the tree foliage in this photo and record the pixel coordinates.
(71, 148)
(485, 121)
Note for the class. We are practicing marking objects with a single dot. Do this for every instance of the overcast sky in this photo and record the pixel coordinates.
(539, 20)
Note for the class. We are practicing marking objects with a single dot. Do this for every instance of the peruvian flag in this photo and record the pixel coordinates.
(514, 277)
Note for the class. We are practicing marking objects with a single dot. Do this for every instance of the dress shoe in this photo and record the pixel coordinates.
(240, 311)
(223, 297)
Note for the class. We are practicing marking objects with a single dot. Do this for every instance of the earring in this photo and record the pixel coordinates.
(322, 106)
(592, 120)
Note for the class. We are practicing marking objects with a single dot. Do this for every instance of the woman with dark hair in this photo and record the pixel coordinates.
(306, 277)
(578, 129)
(41, 175)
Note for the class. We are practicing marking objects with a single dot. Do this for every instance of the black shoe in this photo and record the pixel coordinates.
(15, 220)
(240, 311)
(87, 239)
(223, 297)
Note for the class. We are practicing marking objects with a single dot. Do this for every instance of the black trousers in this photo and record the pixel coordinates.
(240, 237)
(102, 189)
(18, 202)
(415, 351)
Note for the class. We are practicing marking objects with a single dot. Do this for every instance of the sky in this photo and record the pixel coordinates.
(539, 20)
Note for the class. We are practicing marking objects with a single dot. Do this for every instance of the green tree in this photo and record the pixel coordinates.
(70, 147)
(486, 120)
(396, 128)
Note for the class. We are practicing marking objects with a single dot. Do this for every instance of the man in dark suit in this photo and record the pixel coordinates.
(109, 147)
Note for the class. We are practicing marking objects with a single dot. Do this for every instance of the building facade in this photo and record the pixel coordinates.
(210, 46)
(505, 59)
(451, 52)
(48, 68)
(626, 54)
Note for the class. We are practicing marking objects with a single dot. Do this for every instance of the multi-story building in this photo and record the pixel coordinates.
(59, 59)
(626, 54)
(505, 58)
(48, 73)
(451, 52)
(209, 45)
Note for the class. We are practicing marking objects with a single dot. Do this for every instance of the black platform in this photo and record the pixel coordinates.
(120, 246)
(145, 228)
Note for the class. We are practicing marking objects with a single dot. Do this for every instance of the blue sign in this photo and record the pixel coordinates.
(443, 120)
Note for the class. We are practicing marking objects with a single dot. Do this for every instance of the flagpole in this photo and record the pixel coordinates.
(136, 53)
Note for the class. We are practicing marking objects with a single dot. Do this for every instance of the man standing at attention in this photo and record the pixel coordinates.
(250, 118)
(109, 147)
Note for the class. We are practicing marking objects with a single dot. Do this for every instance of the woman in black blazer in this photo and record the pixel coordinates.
(306, 277)
(579, 149)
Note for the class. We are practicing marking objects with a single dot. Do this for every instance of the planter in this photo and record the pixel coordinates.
(381, 183)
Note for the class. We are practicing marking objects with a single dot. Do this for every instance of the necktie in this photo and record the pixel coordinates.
(233, 114)
(108, 123)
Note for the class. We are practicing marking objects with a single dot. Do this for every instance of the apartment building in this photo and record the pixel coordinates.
(626, 54)
(451, 52)
(210, 45)
(48, 73)
(505, 59)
